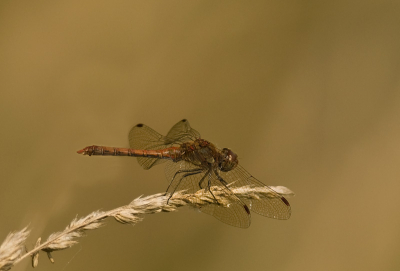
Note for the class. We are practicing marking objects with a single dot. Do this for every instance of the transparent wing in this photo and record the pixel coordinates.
(236, 214)
(275, 206)
(182, 132)
(192, 179)
(142, 137)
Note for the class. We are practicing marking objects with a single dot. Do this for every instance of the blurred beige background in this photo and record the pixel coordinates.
(306, 92)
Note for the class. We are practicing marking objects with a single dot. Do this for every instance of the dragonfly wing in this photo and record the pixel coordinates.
(236, 213)
(148, 163)
(142, 137)
(273, 206)
(182, 132)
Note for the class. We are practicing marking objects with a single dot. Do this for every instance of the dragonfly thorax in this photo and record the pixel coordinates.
(229, 160)
(205, 154)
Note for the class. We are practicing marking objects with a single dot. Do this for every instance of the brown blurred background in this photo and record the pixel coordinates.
(306, 92)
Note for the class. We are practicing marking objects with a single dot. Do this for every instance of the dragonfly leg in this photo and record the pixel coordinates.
(202, 180)
(189, 173)
(222, 181)
(178, 172)
(209, 189)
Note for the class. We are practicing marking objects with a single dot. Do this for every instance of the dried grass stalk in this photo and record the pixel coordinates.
(10, 250)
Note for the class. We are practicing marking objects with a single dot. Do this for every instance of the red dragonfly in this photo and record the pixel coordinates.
(194, 163)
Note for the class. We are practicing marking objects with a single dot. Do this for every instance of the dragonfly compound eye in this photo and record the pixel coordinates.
(229, 160)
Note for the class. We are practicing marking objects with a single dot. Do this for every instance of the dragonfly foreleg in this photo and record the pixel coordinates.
(222, 181)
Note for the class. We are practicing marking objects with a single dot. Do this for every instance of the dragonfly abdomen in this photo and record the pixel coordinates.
(172, 153)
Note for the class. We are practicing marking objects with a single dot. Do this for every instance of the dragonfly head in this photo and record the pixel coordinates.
(229, 160)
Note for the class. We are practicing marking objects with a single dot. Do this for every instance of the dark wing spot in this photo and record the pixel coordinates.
(139, 125)
(285, 201)
(184, 120)
(247, 209)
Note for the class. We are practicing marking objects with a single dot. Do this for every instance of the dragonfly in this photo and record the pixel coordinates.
(195, 164)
